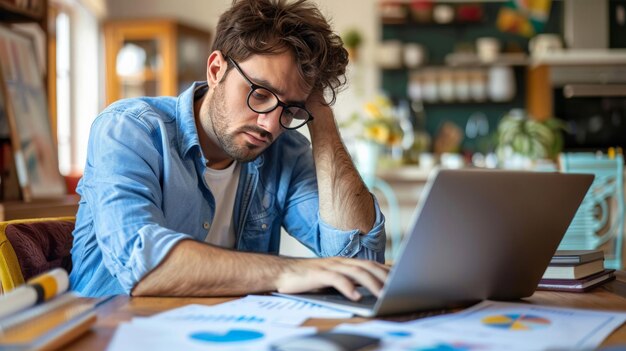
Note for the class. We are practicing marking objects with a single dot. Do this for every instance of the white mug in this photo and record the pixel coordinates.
(413, 55)
(389, 54)
(488, 49)
(545, 43)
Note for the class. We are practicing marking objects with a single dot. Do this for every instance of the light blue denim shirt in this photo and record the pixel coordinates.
(143, 191)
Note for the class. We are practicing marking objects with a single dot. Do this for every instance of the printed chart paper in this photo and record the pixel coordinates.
(155, 335)
(405, 336)
(217, 314)
(534, 326)
(276, 304)
(253, 309)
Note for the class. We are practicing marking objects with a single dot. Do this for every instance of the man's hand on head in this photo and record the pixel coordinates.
(316, 104)
(343, 274)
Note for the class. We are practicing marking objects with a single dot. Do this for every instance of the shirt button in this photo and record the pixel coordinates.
(206, 225)
(263, 226)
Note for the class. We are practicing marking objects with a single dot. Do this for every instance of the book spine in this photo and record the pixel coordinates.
(37, 290)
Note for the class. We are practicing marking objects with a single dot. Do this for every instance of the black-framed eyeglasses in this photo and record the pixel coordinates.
(263, 100)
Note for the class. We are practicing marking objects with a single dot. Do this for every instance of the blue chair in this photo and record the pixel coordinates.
(599, 221)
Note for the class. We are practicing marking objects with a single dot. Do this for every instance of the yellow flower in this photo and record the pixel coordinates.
(383, 102)
(377, 122)
(377, 132)
(372, 110)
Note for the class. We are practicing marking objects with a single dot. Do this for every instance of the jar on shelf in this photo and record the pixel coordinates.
(414, 88)
(478, 85)
(461, 85)
(430, 89)
(501, 85)
(446, 85)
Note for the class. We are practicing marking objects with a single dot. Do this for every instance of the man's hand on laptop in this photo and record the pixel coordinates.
(343, 274)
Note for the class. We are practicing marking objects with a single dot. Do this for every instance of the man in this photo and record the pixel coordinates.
(186, 196)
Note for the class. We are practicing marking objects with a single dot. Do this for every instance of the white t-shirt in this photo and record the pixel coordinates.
(223, 184)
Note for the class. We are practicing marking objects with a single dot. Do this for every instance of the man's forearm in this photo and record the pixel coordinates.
(197, 269)
(345, 201)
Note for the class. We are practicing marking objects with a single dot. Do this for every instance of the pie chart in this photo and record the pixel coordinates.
(448, 347)
(230, 336)
(399, 333)
(516, 322)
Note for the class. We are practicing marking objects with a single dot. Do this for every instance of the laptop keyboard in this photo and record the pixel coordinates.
(367, 298)
(405, 317)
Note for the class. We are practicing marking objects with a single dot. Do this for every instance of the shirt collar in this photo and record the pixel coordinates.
(185, 119)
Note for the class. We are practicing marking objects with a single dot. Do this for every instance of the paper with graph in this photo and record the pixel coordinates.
(253, 309)
(533, 326)
(158, 335)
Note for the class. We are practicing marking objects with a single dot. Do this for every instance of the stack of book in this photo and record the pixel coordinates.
(576, 271)
(42, 315)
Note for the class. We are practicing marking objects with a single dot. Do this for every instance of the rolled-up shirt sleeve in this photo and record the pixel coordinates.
(302, 220)
(122, 187)
(353, 243)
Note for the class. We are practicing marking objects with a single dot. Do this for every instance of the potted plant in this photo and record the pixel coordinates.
(352, 40)
(378, 130)
(523, 141)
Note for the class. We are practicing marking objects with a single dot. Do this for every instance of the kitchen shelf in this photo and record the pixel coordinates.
(573, 57)
(504, 59)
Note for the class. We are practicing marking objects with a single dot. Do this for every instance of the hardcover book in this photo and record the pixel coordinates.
(577, 285)
(573, 271)
(576, 256)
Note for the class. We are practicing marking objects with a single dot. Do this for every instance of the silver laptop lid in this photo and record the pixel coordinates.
(479, 234)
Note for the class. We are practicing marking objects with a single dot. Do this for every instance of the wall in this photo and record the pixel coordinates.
(344, 14)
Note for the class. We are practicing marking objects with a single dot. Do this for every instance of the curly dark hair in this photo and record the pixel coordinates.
(264, 27)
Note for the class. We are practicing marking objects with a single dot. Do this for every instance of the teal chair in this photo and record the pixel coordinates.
(599, 221)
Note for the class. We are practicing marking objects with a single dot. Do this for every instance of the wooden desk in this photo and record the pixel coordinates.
(612, 297)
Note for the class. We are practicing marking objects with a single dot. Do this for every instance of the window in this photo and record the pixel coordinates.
(75, 84)
(63, 93)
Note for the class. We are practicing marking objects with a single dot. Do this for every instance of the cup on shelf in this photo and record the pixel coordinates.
(487, 48)
(413, 55)
(443, 13)
(546, 43)
(389, 54)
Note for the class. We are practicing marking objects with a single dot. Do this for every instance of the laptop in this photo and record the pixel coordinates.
(475, 235)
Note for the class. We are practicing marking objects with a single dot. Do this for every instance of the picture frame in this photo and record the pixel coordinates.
(9, 184)
(34, 150)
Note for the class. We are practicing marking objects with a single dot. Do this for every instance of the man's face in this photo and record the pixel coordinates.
(230, 124)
